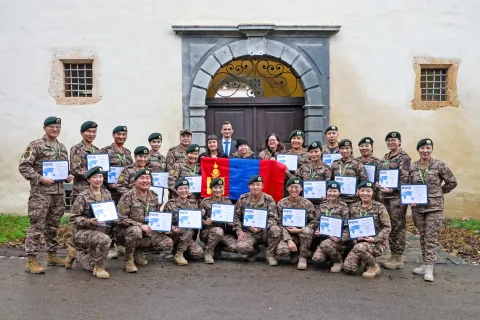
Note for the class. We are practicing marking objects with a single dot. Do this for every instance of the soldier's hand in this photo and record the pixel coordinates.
(413, 204)
(69, 178)
(242, 236)
(46, 181)
(203, 212)
(335, 239)
(317, 233)
(175, 229)
(253, 229)
(293, 230)
(292, 246)
(146, 228)
(93, 221)
(386, 190)
(231, 224)
(208, 222)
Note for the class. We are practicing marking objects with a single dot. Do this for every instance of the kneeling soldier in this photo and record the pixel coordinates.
(214, 232)
(367, 249)
(90, 241)
(134, 232)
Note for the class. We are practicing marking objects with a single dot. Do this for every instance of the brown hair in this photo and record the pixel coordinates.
(227, 122)
(209, 138)
(280, 147)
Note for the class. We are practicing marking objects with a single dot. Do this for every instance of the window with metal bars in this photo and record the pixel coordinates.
(78, 79)
(433, 83)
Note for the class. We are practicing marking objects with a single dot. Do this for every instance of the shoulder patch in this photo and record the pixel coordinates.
(26, 155)
(29, 148)
(76, 158)
(121, 178)
(172, 172)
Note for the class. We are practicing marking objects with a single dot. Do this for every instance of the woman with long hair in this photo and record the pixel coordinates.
(271, 147)
(212, 149)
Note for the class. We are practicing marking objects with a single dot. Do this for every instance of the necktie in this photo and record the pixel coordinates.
(226, 147)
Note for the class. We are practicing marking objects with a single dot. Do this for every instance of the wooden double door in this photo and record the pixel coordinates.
(255, 121)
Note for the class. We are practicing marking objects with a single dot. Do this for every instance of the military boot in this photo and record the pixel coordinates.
(302, 264)
(420, 270)
(140, 258)
(129, 265)
(336, 268)
(428, 273)
(113, 253)
(100, 273)
(209, 257)
(33, 266)
(179, 259)
(54, 260)
(372, 271)
(71, 256)
(272, 261)
(395, 262)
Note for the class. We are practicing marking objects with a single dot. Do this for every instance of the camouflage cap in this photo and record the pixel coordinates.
(331, 128)
(52, 120)
(333, 185)
(192, 148)
(294, 180)
(255, 178)
(315, 145)
(119, 129)
(181, 182)
(140, 150)
(424, 142)
(394, 134)
(215, 182)
(93, 171)
(366, 140)
(345, 143)
(142, 172)
(87, 125)
(366, 184)
(154, 136)
(185, 131)
(297, 133)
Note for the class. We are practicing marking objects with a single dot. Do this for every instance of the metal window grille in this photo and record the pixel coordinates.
(433, 83)
(78, 79)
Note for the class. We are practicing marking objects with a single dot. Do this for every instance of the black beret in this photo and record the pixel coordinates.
(241, 141)
(394, 134)
(52, 120)
(154, 136)
(333, 185)
(192, 148)
(315, 145)
(294, 180)
(181, 182)
(331, 128)
(345, 143)
(140, 150)
(297, 133)
(88, 125)
(216, 181)
(93, 171)
(366, 140)
(119, 129)
(255, 178)
(424, 142)
(366, 184)
(185, 131)
(141, 172)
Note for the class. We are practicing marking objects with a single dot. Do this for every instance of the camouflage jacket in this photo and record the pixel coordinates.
(30, 166)
(371, 160)
(206, 204)
(326, 149)
(338, 210)
(132, 208)
(173, 205)
(156, 162)
(436, 173)
(125, 179)
(245, 201)
(351, 168)
(380, 217)
(117, 159)
(302, 203)
(181, 170)
(310, 171)
(399, 161)
(175, 155)
(267, 154)
(78, 166)
(81, 212)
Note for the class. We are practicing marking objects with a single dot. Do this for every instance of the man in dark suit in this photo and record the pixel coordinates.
(227, 144)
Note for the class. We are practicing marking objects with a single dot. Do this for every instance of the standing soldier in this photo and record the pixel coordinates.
(429, 218)
(177, 154)
(214, 233)
(367, 249)
(46, 204)
(248, 240)
(297, 139)
(395, 159)
(331, 133)
(366, 150)
(126, 180)
(156, 161)
(78, 158)
(293, 236)
(315, 169)
(187, 168)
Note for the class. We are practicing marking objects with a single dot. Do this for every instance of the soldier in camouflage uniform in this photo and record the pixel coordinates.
(332, 247)
(177, 154)
(46, 204)
(297, 139)
(347, 166)
(395, 159)
(91, 244)
(366, 150)
(183, 238)
(248, 239)
(156, 161)
(189, 167)
(78, 158)
(243, 150)
(331, 133)
(367, 249)
(429, 218)
(126, 179)
(214, 233)
(133, 230)
(295, 236)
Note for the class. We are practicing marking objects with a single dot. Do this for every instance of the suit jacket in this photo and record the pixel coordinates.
(232, 146)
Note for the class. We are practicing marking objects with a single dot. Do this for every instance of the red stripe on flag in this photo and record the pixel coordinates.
(273, 173)
(214, 168)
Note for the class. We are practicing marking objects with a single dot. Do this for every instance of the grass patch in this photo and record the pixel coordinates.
(468, 224)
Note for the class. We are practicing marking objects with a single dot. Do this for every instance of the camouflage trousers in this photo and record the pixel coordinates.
(183, 241)
(428, 225)
(134, 238)
(215, 235)
(92, 247)
(44, 212)
(398, 220)
(302, 240)
(329, 249)
(361, 252)
(247, 246)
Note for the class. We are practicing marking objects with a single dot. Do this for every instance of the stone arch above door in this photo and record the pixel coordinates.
(304, 49)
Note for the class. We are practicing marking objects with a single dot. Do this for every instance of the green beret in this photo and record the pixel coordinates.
(185, 131)
(93, 171)
(424, 142)
(119, 129)
(394, 134)
(294, 180)
(140, 150)
(255, 178)
(181, 182)
(88, 125)
(297, 133)
(315, 145)
(52, 120)
(154, 136)
(345, 143)
(333, 185)
(366, 140)
(141, 172)
(366, 184)
(241, 141)
(216, 181)
(331, 128)
(192, 148)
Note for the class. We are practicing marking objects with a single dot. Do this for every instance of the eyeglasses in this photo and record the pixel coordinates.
(54, 127)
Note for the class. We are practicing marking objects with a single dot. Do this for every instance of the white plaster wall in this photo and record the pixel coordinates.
(371, 72)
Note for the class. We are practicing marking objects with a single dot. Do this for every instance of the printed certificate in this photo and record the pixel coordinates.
(195, 183)
(314, 189)
(113, 174)
(371, 170)
(190, 219)
(361, 227)
(330, 226)
(104, 210)
(414, 193)
(290, 160)
(99, 159)
(55, 169)
(160, 179)
(159, 192)
(256, 218)
(294, 217)
(389, 178)
(223, 212)
(348, 185)
(160, 221)
(328, 158)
